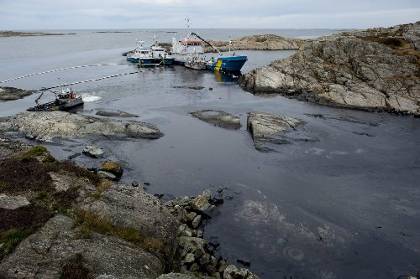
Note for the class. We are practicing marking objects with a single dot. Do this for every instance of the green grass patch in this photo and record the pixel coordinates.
(10, 239)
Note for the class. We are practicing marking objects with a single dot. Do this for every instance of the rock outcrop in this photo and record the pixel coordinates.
(218, 118)
(60, 248)
(376, 69)
(59, 220)
(12, 93)
(45, 126)
(258, 42)
(268, 128)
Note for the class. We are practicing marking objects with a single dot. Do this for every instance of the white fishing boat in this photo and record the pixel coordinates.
(141, 55)
(160, 54)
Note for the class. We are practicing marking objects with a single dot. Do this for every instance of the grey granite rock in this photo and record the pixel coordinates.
(46, 253)
(376, 69)
(45, 126)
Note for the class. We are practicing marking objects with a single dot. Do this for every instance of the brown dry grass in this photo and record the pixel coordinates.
(89, 222)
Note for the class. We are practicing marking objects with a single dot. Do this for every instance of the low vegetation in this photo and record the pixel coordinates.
(27, 173)
(89, 222)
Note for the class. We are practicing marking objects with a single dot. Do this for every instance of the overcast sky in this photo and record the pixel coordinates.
(80, 14)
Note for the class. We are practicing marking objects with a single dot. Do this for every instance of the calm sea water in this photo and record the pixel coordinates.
(345, 206)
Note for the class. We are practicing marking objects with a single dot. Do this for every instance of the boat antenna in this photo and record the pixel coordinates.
(188, 26)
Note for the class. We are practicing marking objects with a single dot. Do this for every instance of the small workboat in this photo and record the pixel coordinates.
(65, 101)
(196, 63)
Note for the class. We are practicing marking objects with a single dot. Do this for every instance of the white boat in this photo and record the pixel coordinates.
(187, 46)
(161, 54)
(141, 55)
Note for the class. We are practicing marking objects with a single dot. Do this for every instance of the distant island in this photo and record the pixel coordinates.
(30, 34)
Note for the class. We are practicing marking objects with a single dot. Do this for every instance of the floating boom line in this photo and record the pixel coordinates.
(54, 70)
(87, 80)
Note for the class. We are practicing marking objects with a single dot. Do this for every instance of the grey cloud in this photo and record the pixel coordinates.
(32, 14)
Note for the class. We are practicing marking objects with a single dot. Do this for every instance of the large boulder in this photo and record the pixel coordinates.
(266, 126)
(46, 126)
(132, 209)
(60, 248)
(376, 69)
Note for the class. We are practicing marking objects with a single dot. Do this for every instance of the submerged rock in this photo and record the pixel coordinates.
(218, 118)
(12, 93)
(189, 87)
(118, 113)
(45, 126)
(93, 151)
(376, 69)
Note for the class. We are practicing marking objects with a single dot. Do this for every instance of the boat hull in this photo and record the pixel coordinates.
(229, 64)
(151, 61)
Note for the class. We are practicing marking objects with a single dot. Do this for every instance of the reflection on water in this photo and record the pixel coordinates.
(344, 206)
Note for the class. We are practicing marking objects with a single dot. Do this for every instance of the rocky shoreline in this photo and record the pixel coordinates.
(257, 42)
(375, 70)
(63, 221)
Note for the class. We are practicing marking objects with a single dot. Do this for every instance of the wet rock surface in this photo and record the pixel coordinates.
(118, 113)
(45, 126)
(376, 69)
(198, 88)
(258, 42)
(195, 254)
(113, 168)
(93, 151)
(268, 128)
(218, 118)
(12, 93)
